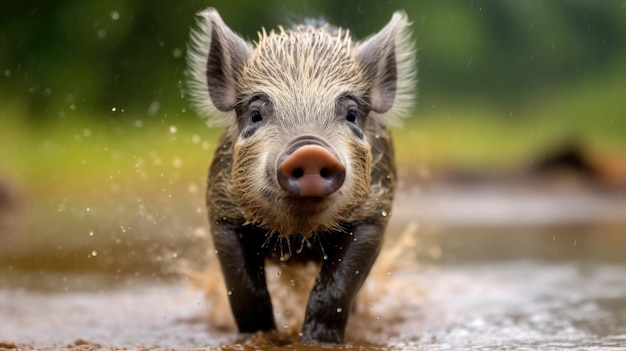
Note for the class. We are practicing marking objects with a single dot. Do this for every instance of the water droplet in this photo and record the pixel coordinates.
(91, 233)
(339, 309)
(115, 15)
(356, 272)
(230, 292)
(325, 257)
(173, 129)
(113, 109)
(153, 109)
(177, 162)
(94, 253)
(384, 213)
(199, 232)
(285, 326)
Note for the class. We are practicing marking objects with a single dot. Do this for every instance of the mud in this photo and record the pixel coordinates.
(465, 278)
(512, 305)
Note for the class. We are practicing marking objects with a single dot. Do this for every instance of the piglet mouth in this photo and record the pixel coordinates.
(309, 169)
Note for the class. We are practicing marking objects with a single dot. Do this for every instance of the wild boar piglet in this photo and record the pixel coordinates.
(304, 169)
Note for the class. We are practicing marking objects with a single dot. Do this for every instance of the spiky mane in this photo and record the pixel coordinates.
(290, 56)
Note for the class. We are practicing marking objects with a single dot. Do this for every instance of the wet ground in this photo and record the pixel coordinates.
(493, 268)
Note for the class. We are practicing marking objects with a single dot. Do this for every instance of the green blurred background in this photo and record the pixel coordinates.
(97, 138)
(507, 72)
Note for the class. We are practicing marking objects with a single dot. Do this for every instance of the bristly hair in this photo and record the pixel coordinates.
(197, 83)
(318, 23)
(200, 45)
(406, 66)
(406, 61)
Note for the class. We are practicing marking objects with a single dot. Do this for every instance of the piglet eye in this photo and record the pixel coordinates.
(255, 116)
(352, 115)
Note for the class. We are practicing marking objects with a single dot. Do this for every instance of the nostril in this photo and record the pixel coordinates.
(325, 173)
(297, 173)
(310, 171)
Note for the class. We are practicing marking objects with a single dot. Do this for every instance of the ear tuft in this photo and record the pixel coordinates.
(215, 57)
(388, 58)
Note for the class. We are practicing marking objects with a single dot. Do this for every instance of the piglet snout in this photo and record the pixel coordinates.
(311, 171)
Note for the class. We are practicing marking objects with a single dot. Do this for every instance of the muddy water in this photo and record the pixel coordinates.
(550, 282)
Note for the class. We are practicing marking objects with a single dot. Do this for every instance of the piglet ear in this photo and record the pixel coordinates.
(216, 57)
(388, 61)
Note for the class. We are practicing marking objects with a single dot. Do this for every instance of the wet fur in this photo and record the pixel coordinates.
(398, 29)
(286, 66)
(302, 76)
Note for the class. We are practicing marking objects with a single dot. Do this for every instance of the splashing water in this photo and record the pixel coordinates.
(290, 285)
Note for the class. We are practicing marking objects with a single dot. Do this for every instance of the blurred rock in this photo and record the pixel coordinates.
(8, 209)
(572, 161)
(565, 167)
(568, 158)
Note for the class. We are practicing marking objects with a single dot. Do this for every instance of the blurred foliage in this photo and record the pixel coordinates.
(97, 137)
(82, 82)
(66, 55)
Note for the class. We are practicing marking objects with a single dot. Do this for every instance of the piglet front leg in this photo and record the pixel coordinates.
(243, 266)
(349, 261)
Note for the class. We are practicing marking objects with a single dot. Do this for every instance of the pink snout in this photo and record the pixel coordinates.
(311, 171)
